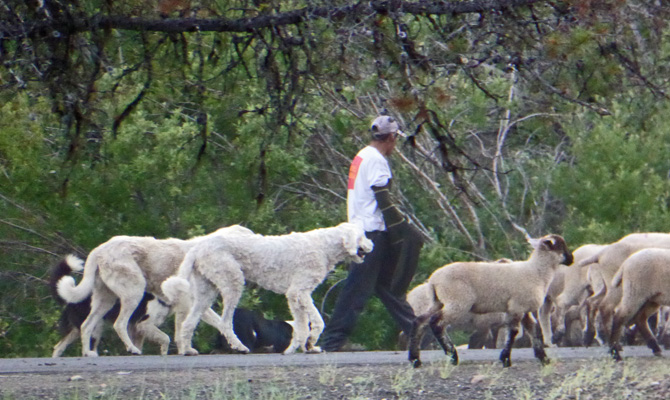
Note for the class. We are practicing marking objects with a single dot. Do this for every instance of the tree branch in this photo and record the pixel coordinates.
(293, 17)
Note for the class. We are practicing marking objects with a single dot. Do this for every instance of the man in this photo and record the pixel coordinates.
(388, 269)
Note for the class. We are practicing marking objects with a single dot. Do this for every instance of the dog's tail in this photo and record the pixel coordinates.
(186, 266)
(175, 288)
(66, 287)
(65, 267)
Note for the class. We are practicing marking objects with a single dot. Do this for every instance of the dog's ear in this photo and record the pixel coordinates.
(350, 241)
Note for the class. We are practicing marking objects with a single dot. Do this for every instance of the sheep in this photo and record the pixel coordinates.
(517, 289)
(609, 260)
(568, 290)
(644, 280)
(483, 325)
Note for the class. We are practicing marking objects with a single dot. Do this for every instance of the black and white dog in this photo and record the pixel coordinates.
(150, 311)
(259, 334)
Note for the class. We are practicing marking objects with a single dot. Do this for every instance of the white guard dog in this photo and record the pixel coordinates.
(125, 267)
(293, 265)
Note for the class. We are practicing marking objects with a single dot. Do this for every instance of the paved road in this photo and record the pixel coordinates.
(139, 363)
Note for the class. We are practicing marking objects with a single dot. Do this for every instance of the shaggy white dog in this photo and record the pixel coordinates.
(125, 267)
(293, 265)
(143, 323)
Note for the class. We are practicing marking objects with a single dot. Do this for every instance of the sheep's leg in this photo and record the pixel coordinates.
(544, 319)
(558, 334)
(660, 322)
(573, 323)
(479, 339)
(506, 353)
(629, 334)
(438, 328)
(536, 338)
(632, 311)
(589, 333)
(642, 322)
(664, 323)
(617, 329)
(605, 323)
(416, 337)
(591, 304)
(495, 335)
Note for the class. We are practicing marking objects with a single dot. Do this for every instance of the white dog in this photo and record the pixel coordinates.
(143, 323)
(293, 265)
(125, 267)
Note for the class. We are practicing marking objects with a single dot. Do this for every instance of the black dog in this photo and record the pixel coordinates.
(260, 335)
(74, 314)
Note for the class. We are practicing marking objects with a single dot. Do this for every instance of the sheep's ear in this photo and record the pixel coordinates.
(534, 243)
(547, 242)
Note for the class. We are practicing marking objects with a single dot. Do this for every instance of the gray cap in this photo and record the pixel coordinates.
(383, 126)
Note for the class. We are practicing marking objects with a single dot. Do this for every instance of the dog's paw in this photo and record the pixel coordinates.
(240, 348)
(289, 350)
(90, 353)
(191, 352)
(134, 351)
(314, 350)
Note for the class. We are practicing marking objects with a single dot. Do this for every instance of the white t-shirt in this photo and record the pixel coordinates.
(369, 168)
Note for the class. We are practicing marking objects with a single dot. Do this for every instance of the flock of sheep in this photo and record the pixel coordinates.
(606, 288)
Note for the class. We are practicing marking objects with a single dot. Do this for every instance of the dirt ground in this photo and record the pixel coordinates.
(645, 378)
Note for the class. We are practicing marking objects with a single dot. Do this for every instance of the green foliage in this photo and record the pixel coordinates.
(617, 182)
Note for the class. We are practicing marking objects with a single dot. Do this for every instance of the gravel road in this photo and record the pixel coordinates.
(574, 373)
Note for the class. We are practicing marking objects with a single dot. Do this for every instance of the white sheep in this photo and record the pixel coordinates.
(517, 289)
(609, 260)
(483, 325)
(644, 279)
(566, 294)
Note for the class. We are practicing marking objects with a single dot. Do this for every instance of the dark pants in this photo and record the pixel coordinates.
(373, 276)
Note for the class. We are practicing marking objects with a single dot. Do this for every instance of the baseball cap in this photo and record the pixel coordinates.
(384, 125)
